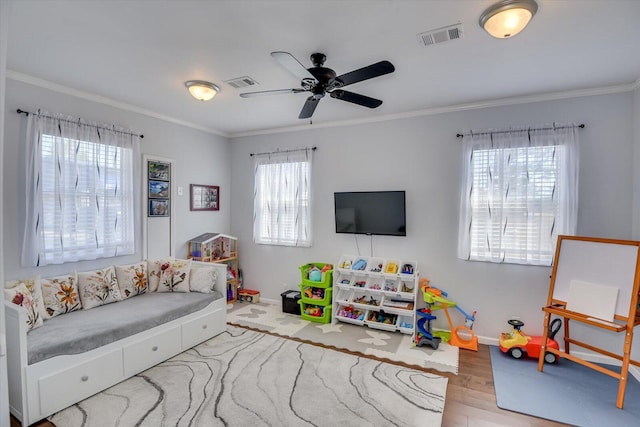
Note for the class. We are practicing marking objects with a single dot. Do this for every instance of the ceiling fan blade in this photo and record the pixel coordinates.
(356, 98)
(374, 70)
(270, 92)
(289, 62)
(309, 107)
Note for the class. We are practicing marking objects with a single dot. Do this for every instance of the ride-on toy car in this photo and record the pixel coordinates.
(517, 343)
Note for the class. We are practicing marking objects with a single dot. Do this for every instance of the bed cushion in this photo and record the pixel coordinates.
(33, 284)
(98, 287)
(86, 330)
(203, 279)
(60, 295)
(154, 271)
(174, 276)
(21, 295)
(132, 279)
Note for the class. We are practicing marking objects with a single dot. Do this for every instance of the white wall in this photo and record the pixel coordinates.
(636, 162)
(200, 158)
(423, 156)
(4, 392)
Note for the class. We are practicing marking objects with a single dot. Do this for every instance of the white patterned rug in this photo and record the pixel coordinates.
(247, 378)
(394, 346)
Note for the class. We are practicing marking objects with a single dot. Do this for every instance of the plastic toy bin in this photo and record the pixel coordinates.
(326, 277)
(324, 318)
(315, 295)
(290, 302)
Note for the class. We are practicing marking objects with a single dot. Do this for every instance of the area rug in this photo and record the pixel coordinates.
(392, 346)
(565, 392)
(248, 378)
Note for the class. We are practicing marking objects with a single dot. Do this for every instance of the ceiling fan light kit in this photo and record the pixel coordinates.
(508, 17)
(320, 80)
(201, 90)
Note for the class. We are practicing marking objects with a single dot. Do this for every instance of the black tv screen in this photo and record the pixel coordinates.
(371, 212)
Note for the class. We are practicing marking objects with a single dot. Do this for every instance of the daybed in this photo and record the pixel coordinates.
(75, 355)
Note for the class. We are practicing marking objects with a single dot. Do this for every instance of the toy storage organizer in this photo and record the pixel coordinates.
(376, 292)
(316, 292)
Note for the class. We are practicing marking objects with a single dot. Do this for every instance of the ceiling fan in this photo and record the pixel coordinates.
(320, 80)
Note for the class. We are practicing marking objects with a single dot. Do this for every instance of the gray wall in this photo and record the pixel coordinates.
(420, 155)
(423, 156)
(636, 162)
(199, 158)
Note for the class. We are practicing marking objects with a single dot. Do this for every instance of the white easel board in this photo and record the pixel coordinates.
(602, 263)
(592, 299)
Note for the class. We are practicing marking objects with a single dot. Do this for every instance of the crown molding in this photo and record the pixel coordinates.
(551, 96)
(500, 102)
(35, 81)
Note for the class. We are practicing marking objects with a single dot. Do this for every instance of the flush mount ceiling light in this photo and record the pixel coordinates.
(202, 90)
(508, 17)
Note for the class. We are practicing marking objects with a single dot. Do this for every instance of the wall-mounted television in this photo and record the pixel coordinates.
(371, 212)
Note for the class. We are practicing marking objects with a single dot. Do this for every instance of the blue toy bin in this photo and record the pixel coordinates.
(326, 278)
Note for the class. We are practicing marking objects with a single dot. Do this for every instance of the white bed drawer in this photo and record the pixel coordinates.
(204, 327)
(66, 387)
(151, 351)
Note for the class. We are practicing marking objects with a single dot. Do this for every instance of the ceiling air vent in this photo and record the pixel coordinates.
(241, 82)
(440, 35)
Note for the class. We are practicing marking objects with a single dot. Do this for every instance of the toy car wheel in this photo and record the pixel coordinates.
(550, 357)
(516, 353)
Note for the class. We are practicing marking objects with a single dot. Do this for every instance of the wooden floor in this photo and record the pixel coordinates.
(471, 398)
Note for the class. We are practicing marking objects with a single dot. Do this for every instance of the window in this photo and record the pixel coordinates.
(282, 199)
(81, 196)
(520, 192)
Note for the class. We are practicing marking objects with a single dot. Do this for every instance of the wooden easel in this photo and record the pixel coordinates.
(612, 262)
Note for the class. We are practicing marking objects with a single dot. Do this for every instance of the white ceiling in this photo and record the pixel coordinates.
(140, 52)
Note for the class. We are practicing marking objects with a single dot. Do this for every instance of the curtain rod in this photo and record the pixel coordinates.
(284, 151)
(19, 111)
(460, 135)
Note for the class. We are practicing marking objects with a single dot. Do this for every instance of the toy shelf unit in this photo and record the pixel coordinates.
(376, 292)
(218, 248)
(316, 292)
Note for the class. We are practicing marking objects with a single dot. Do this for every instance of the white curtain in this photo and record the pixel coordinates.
(282, 198)
(520, 190)
(82, 193)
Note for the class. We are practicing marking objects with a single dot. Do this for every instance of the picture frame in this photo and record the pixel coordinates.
(204, 197)
(159, 207)
(159, 189)
(159, 171)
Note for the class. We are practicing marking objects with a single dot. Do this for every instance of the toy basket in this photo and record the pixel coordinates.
(316, 295)
(326, 277)
(324, 318)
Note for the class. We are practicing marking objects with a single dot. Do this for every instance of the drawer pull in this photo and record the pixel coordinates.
(85, 378)
(204, 326)
(154, 348)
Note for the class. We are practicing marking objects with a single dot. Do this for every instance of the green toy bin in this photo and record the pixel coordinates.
(326, 313)
(315, 290)
(326, 277)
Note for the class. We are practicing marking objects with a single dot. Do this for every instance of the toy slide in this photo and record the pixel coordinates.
(437, 299)
(425, 336)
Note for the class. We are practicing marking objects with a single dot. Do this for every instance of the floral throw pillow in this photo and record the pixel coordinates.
(132, 279)
(154, 272)
(203, 279)
(20, 295)
(174, 276)
(60, 295)
(98, 287)
(34, 287)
